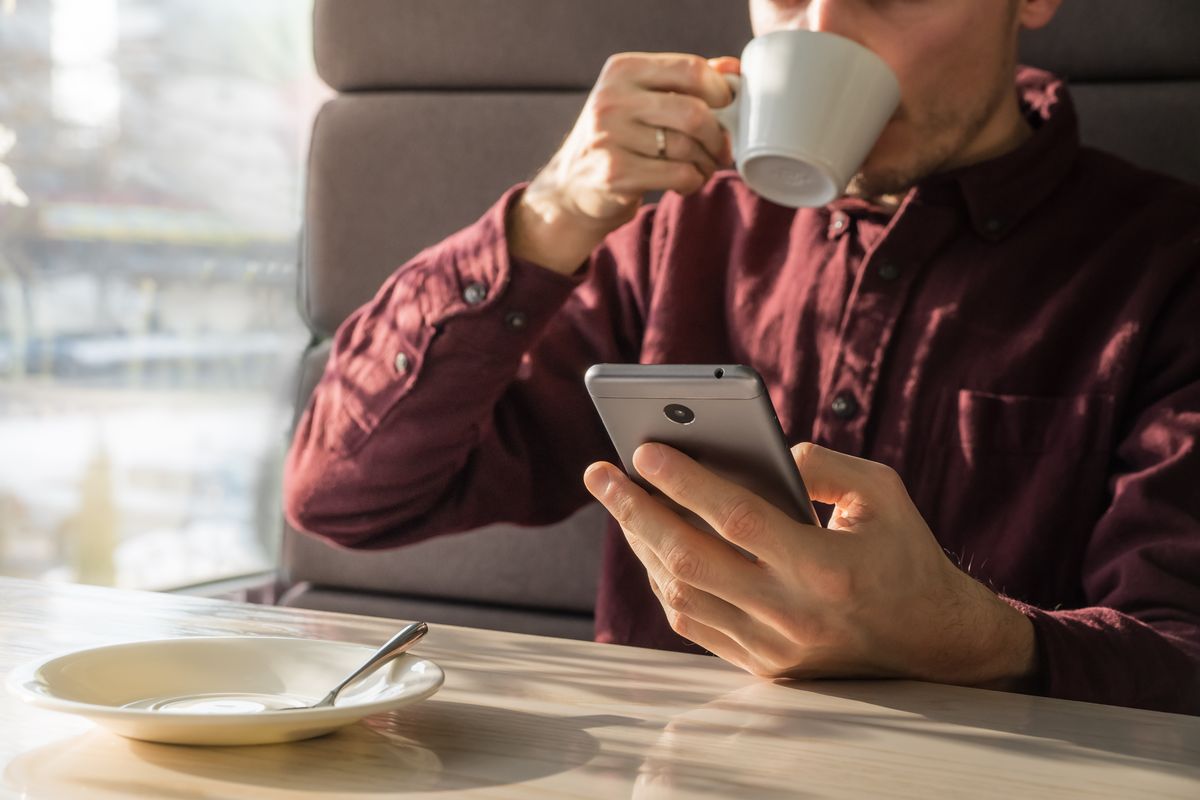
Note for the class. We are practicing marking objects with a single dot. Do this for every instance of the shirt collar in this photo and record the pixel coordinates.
(1000, 192)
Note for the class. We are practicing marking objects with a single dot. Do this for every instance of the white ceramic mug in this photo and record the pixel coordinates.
(807, 109)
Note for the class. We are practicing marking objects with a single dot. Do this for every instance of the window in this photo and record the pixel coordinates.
(151, 154)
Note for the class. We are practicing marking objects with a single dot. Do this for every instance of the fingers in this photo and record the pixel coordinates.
(686, 553)
(681, 599)
(633, 173)
(726, 65)
(708, 637)
(845, 481)
(720, 627)
(686, 115)
(712, 640)
(673, 91)
(611, 158)
(737, 514)
(672, 72)
(679, 147)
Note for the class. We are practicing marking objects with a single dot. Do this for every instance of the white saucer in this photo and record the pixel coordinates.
(231, 687)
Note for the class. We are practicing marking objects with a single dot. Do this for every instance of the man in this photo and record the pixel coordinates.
(990, 340)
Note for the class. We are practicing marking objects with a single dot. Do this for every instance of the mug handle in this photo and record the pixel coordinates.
(727, 117)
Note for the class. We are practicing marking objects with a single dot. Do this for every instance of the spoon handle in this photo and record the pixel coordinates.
(394, 647)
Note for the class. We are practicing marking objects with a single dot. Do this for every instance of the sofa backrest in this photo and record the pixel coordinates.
(443, 104)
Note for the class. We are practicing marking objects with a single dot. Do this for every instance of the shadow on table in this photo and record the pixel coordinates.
(900, 735)
(1056, 729)
(431, 746)
(549, 668)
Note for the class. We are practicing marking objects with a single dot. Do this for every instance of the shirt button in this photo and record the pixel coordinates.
(838, 224)
(993, 225)
(475, 293)
(401, 363)
(516, 320)
(844, 406)
(888, 271)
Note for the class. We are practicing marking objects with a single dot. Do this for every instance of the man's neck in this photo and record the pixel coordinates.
(1005, 132)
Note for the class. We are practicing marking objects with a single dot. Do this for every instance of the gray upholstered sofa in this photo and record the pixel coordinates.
(442, 104)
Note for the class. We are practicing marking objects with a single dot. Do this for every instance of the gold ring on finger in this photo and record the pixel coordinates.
(660, 139)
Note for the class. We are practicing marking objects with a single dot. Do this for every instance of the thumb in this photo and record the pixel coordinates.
(833, 477)
(726, 65)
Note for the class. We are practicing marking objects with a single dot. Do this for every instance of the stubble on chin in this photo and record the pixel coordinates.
(935, 143)
(878, 185)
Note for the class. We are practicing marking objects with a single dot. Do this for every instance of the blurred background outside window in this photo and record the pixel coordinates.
(151, 156)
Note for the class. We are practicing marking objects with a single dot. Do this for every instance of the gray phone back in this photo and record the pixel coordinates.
(732, 430)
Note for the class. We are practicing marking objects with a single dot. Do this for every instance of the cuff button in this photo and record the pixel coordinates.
(475, 293)
(401, 363)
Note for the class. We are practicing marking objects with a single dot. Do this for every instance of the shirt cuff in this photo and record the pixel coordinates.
(1101, 655)
(492, 292)
(462, 307)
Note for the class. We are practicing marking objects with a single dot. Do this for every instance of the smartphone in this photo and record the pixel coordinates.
(718, 414)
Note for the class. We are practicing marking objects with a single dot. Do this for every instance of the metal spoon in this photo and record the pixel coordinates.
(392, 648)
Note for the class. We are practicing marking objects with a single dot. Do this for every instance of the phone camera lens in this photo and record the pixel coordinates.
(681, 414)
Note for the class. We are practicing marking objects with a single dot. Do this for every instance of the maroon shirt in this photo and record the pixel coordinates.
(1020, 341)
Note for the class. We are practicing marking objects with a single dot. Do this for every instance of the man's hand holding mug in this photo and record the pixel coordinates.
(801, 118)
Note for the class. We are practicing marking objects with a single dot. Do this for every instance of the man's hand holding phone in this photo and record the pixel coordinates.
(872, 595)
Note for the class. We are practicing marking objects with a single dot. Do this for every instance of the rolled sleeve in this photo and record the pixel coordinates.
(492, 305)
(455, 398)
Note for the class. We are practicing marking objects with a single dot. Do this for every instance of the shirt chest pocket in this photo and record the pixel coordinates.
(985, 422)
(1017, 482)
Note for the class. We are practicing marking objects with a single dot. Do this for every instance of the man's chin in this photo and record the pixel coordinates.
(877, 184)
(885, 170)
(898, 161)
